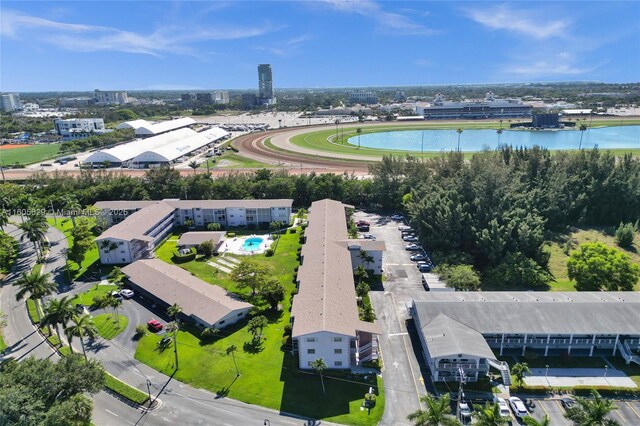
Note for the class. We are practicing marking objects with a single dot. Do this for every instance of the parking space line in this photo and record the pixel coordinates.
(560, 405)
(544, 409)
(620, 415)
(633, 409)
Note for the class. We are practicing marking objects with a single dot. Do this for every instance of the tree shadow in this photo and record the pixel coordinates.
(253, 347)
(224, 391)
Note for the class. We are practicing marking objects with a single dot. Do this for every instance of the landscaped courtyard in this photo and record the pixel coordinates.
(268, 373)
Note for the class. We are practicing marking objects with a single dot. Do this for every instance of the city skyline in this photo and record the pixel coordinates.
(205, 46)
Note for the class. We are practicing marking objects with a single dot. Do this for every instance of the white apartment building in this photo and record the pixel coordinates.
(324, 314)
(221, 97)
(110, 96)
(137, 227)
(76, 128)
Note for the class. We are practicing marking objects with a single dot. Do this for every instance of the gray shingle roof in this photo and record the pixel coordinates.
(139, 223)
(326, 299)
(445, 337)
(197, 238)
(536, 312)
(172, 284)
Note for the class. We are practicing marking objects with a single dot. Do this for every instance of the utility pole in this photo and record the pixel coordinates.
(422, 148)
(463, 379)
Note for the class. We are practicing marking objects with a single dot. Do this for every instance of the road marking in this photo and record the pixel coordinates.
(421, 380)
(633, 409)
(544, 409)
(620, 415)
(560, 405)
(395, 364)
(112, 413)
(398, 334)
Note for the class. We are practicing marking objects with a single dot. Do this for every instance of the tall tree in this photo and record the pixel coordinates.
(359, 132)
(597, 267)
(256, 325)
(72, 207)
(532, 421)
(82, 238)
(459, 132)
(82, 326)
(249, 273)
(583, 127)
(35, 230)
(232, 350)
(592, 412)
(273, 292)
(58, 312)
(38, 286)
(489, 415)
(4, 218)
(437, 412)
(519, 371)
(174, 312)
(319, 366)
(194, 166)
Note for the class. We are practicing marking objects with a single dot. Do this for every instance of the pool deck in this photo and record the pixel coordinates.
(234, 245)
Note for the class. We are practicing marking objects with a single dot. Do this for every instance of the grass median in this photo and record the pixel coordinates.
(65, 225)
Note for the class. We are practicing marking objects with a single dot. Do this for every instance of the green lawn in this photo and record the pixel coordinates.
(558, 259)
(560, 362)
(2, 344)
(65, 225)
(107, 328)
(29, 155)
(86, 298)
(235, 161)
(269, 375)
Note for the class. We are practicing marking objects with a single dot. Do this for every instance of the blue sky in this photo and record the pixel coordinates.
(84, 45)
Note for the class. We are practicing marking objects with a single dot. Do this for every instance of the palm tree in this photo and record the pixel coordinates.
(37, 285)
(231, 350)
(72, 206)
(582, 129)
(337, 122)
(437, 412)
(489, 415)
(194, 166)
(459, 132)
(173, 311)
(499, 132)
(109, 246)
(592, 412)
(4, 219)
(319, 366)
(58, 312)
(359, 131)
(520, 370)
(35, 231)
(531, 421)
(113, 302)
(83, 326)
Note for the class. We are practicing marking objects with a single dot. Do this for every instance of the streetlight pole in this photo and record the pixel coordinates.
(462, 380)
(422, 148)
(606, 368)
(546, 372)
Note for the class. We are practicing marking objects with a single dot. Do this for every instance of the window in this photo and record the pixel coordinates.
(123, 259)
(311, 351)
(311, 339)
(121, 251)
(120, 243)
(338, 364)
(337, 351)
(221, 322)
(337, 339)
(240, 314)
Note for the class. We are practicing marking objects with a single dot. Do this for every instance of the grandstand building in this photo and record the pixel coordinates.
(490, 107)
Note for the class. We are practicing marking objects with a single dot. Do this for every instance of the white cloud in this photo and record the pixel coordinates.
(562, 63)
(91, 38)
(504, 17)
(422, 62)
(395, 23)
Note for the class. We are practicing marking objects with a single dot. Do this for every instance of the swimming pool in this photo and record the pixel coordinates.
(252, 244)
(479, 139)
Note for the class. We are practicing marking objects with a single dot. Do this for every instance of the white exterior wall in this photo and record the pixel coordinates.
(115, 256)
(236, 216)
(356, 260)
(232, 318)
(324, 347)
(280, 214)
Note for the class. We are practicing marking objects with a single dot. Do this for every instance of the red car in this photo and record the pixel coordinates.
(154, 325)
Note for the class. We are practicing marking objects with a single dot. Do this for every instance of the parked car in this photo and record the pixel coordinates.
(404, 228)
(369, 237)
(81, 309)
(419, 257)
(154, 325)
(116, 294)
(518, 407)
(567, 402)
(413, 247)
(397, 216)
(126, 293)
(464, 411)
(504, 408)
(410, 238)
(425, 267)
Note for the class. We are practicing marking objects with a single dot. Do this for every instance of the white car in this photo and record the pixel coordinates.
(518, 407)
(464, 410)
(504, 408)
(410, 238)
(404, 228)
(397, 217)
(126, 293)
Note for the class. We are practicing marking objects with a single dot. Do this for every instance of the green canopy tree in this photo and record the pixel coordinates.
(592, 412)
(519, 371)
(273, 292)
(597, 267)
(249, 274)
(256, 325)
(437, 412)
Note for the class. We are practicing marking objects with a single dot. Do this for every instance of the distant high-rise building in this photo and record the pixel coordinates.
(10, 102)
(206, 97)
(188, 97)
(221, 97)
(77, 102)
(363, 98)
(265, 84)
(249, 100)
(111, 96)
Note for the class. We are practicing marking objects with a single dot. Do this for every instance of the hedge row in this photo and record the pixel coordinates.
(124, 390)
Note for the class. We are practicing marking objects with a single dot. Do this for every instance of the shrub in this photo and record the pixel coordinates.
(124, 390)
(141, 330)
(288, 330)
(624, 235)
(268, 252)
(292, 231)
(181, 258)
(231, 234)
(286, 341)
(251, 226)
(214, 227)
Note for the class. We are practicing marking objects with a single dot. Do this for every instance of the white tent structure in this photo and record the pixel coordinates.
(147, 130)
(134, 124)
(122, 153)
(169, 153)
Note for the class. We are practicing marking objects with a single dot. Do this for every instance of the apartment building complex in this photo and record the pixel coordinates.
(77, 128)
(324, 315)
(137, 227)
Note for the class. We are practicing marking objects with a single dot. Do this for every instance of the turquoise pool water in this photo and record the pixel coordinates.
(252, 244)
(477, 140)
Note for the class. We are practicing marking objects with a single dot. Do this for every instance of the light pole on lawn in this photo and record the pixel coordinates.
(606, 368)
(546, 372)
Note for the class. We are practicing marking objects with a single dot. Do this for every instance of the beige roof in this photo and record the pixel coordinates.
(139, 223)
(172, 284)
(124, 205)
(364, 244)
(205, 204)
(197, 238)
(326, 299)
